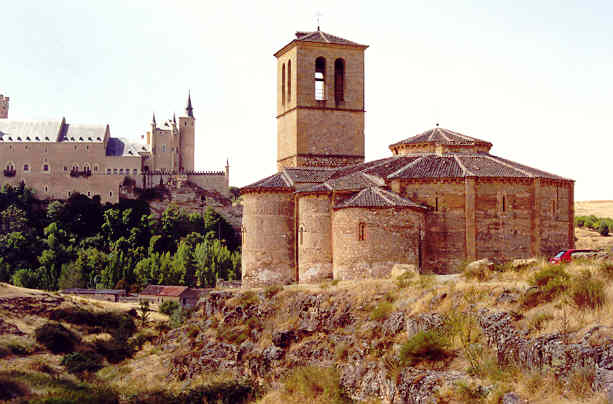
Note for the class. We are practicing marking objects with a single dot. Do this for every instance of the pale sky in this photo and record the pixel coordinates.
(535, 78)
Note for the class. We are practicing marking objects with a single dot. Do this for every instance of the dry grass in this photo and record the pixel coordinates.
(596, 208)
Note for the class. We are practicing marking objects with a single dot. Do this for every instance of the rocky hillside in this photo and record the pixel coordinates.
(502, 337)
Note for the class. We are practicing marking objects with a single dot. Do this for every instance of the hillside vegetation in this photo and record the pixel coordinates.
(82, 243)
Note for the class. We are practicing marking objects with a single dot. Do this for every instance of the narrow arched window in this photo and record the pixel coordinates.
(339, 80)
(504, 203)
(289, 81)
(283, 85)
(320, 78)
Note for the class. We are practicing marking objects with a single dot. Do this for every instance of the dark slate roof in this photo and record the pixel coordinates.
(442, 136)
(161, 290)
(278, 181)
(323, 37)
(84, 133)
(373, 197)
(122, 147)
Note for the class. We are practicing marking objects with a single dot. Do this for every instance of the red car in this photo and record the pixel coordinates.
(565, 256)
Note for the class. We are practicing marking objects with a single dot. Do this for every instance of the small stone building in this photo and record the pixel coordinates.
(439, 200)
(110, 295)
(185, 296)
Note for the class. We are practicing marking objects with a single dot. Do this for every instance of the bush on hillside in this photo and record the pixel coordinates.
(11, 389)
(56, 338)
(603, 229)
(315, 384)
(429, 346)
(546, 284)
(168, 307)
(78, 362)
(113, 350)
(587, 292)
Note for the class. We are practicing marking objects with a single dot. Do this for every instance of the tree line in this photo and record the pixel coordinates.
(82, 243)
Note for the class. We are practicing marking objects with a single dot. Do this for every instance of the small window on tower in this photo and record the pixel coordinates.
(289, 81)
(320, 78)
(504, 203)
(46, 168)
(283, 85)
(163, 148)
(362, 232)
(339, 81)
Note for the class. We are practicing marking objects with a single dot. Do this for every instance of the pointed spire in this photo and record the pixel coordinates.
(189, 109)
(153, 121)
(174, 118)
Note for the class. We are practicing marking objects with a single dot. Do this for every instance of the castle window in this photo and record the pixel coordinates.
(110, 193)
(289, 81)
(504, 203)
(46, 168)
(46, 189)
(65, 168)
(121, 171)
(436, 204)
(320, 78)
(339, 80)
(26, 167)
(163, 148)
(108, 171)
(362, 232)
(283, 85)
(135, 171)
(96, 167)
(114, 171)
(89, 193)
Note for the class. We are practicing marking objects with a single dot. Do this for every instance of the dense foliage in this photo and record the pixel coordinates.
(82, 243)
(603, 225)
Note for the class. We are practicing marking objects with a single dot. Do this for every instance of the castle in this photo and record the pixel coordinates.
(58, 158)
(439, 200)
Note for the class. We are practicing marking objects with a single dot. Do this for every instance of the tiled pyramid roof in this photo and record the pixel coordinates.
(373, 197)
(323, 37)
(442, 136)
(278, 181)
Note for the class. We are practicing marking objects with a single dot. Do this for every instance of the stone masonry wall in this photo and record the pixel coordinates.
(391, 237)
(503, 232)
(268, 239)
(554, 210)
(314, 239)
(445, 232)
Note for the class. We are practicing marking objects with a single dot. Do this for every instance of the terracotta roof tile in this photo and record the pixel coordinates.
(309, 174)
(430, 166)
(323, 37)
(442, 136)
(161, 290)
(277, 181)
(374, 197)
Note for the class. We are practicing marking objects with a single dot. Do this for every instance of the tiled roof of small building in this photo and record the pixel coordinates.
(442, 136)
(323, 37)
(161, 290)
(373, 197)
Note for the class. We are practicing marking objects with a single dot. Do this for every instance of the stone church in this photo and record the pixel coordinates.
(57, 158)
(439, 200)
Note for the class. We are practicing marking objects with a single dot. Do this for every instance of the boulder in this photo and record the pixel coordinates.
(481, 264)
(401, 269)
(523, 263)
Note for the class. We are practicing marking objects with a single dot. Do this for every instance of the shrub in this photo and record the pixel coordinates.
(247, 298)
(381, 311)
(168, 307)
(178, 317)
(140, 338)
(77, 362)
(547, 284)
(120, 325)
(538, 321)
(606, 269)
(579, 221)
(315, 384)
(56, 337)
(603, 229)
(114, 350)
(587, 292)
(11, 389)
(404, 280)
(228, 392)
(425, 345)
(270, 291)
(478, 272)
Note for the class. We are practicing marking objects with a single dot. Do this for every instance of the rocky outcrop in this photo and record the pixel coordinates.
(551, 351)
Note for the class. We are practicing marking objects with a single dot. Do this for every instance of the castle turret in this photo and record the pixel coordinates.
(187, 135)
(4, 107)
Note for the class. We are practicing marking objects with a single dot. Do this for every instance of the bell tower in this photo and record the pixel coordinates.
(320, 101)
